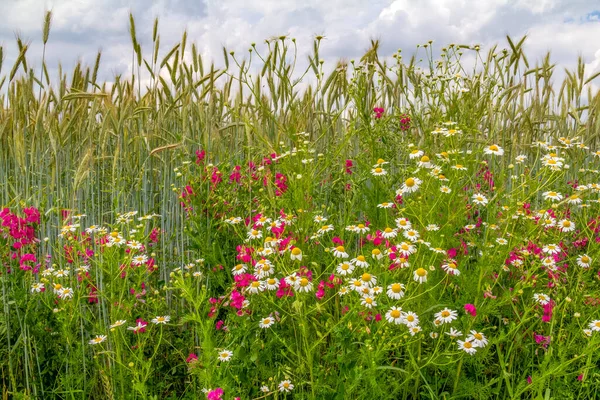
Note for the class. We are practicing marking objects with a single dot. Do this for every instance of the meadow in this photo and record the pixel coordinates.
(395, 227)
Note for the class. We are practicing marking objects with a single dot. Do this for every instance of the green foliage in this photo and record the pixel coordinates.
(300, 156)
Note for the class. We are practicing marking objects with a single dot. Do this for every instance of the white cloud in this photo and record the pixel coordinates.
(81, 27)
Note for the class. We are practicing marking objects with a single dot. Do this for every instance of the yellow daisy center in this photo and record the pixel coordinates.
(421, 272)
(395, 314)
(410, 182)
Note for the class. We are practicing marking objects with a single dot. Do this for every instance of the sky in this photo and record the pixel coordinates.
(566, 28)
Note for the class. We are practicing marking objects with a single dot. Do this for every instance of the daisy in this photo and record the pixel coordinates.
(161, 320)
(410, 319)
(502, 241)
(595, 325)
(451, 268)
(304, 285)
(467, 346)
(494, 149)
(325, 228)
(345, 268)
(414, 330)
(272, 284)
(65, 293)
(480, 199)
(402, 262)
(453, 333)
(256, 287)
(420, 275)
(360, 261)
(91, 229)
(451, 132)
(266, 322)
(478, 339)
(541, 298)
(376, 290)
(343, 291)
(61, 273)
(554, 163)
(286, 386)
(361, 228)
(263, 269)
(138, 327)
(574, 199)
(432, 227)
(339, 252)
(376, 254)
(394, 315)
(254, 234)
(139, 260)
(265, 389)
(239, 269)
(406, 249)
(37, 287)
(134, 244)
(548, 262)
(265, 252)
(319, 219)
(587, 332)
(98, 339)
(520, 159)
(368, 301)
(389, 233)
(225, 355)
(411, 235)
(416, 153)
(395, 291)
(584, 261)
(380, 162)
(548, 222)
(378, 171)
(554, 196)
(411, 185)
(446, 316)
(117, 323)
(385, 205)
(233, 220)
(425, 162)
(403, 223)
(368, 279)
(566, 226)
(551, 249)
(459, 167)
(445, 189)
(262, 221)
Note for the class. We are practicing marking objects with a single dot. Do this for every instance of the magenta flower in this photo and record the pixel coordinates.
(215, 394)
(470, 308)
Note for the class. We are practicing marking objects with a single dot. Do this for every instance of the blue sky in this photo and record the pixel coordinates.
(567, 28)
